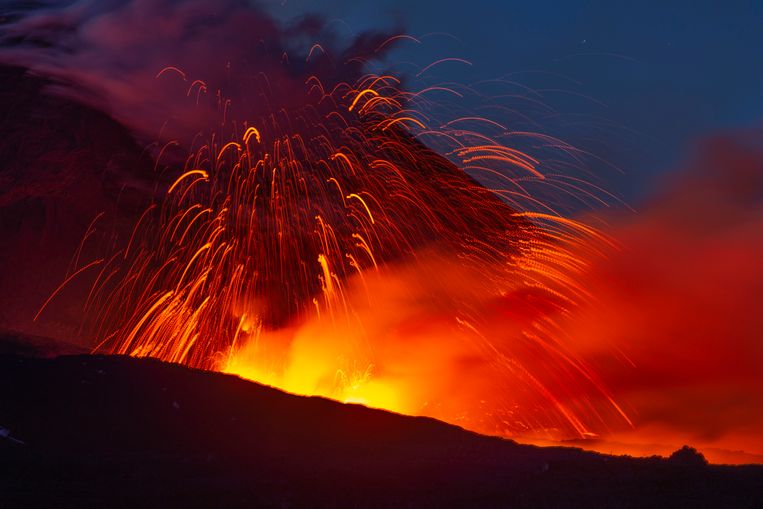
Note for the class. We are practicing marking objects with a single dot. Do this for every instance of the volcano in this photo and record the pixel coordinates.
(193, 192)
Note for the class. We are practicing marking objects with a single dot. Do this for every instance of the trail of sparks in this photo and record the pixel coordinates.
(328, 251)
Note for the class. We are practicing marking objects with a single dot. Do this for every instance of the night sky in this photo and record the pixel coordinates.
(645, 81)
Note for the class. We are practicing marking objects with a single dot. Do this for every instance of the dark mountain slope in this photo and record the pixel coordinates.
(117, 431)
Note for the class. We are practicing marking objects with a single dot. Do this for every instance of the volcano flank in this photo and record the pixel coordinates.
(116, 431)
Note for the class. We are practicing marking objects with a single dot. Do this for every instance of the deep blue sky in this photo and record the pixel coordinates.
(667, 72)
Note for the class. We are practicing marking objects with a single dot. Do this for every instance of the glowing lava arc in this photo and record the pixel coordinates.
(327, 251)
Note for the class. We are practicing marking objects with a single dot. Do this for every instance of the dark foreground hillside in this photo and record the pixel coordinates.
(100, 431)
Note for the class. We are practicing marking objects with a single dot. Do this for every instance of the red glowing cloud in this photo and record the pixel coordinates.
(680, 303)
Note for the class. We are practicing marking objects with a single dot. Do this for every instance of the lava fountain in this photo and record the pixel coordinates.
(326, 250)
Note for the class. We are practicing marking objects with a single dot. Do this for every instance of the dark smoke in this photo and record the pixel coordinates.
(107, 54)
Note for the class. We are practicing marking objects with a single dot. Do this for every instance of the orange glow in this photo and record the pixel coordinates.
(340, 257)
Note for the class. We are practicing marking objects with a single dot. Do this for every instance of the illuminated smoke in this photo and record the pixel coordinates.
(680, 302)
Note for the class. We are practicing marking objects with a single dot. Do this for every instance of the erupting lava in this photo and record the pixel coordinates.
(296, 214)
(327, 251)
